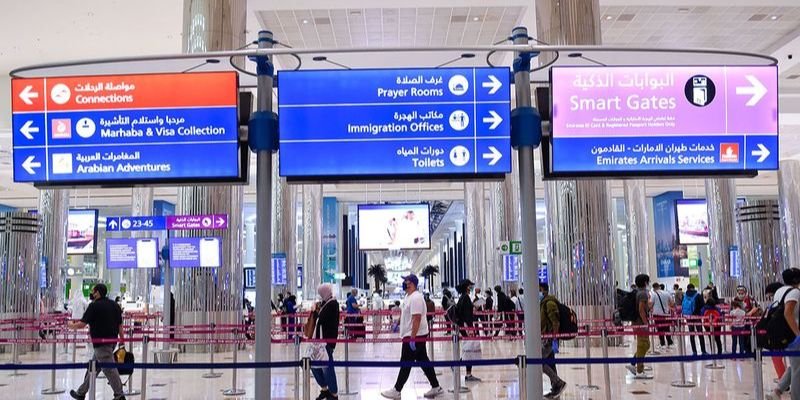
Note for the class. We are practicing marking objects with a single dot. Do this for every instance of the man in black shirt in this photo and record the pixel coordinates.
(104, 318)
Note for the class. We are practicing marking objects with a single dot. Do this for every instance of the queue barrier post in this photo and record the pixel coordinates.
(211, 374)
(683, 383)
(714, 350)
(522, 365)
(758, 371)
(306, 365)
(297, 369)
(433, 347)
(457, 388)
(606, 371)
(17, 330)
(234, 391)
(588, 345)
(74, 346)
(53, 390)
(347, 391)
(145, 357)
(92, 380)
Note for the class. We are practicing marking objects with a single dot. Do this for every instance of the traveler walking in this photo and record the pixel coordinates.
(641, 329)
(550, 324)
(488, 307)
(505, 309)
(777, 362)
(104, 318)
(677, 293)
(690, 308)
(789, 295)
(662, 305)
(414, 331)
(465, 319)
(326, 313)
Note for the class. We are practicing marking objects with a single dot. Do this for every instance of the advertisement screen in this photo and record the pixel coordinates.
(393, 226)
(82, 232)
(195, 252)
(140, 253)
(692, 220)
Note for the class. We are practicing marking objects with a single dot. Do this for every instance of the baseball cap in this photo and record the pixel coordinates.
(412, 278)
(467, 282)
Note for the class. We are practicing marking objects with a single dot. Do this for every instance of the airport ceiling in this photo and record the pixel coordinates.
(37, 31)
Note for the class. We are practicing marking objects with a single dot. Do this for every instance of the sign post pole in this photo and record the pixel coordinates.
(262, 138)
(525, 136)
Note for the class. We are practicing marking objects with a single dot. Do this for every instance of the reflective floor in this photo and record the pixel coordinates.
(735, 381)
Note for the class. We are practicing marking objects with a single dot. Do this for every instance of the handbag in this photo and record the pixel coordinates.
(315, 351)
(471, 350)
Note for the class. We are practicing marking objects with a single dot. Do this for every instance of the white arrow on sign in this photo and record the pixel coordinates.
(762, 153)
(495, 120)
(30, 165)
(27, 94)
(494, 154)
(27, 129)
(220, 221)
(495, 84)
(112, 224)
(756, 90)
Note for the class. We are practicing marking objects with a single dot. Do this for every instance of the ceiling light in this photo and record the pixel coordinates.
(355, 12)
(476, 18)
(609, 17)
(774, 17)
(305, 21)
(683, 10)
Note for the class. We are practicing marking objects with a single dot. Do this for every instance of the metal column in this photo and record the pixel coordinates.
(530, 253)
(263, 376)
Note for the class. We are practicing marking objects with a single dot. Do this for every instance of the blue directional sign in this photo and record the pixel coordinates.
(394, 123)
(150, 223)
(127, 129)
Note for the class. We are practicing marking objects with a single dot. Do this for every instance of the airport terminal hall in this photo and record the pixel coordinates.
(400, 199)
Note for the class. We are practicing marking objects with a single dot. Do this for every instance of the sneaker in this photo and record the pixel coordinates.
(556, 390)
(472, 378)
(76, 396)
(643, 376)
(323, 394)
(391, 394)
(433, 393)
(632, 369)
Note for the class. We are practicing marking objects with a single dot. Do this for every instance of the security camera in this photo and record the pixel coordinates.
(790, 56)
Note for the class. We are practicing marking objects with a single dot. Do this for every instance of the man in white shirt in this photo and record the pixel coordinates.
(414, 331)
(662, 304)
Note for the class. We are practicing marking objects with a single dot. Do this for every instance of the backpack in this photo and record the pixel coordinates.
(567, 321)
(121, 356)
(688, 304)
(627, 307)
(773, 332)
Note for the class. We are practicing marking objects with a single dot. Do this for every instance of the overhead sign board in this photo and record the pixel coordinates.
(131, 253)
(394, 123)
(169, 222)
(651, 121)
(192, 252)
(122, 130)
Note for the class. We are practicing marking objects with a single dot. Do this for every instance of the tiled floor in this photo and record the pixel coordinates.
(735, 381)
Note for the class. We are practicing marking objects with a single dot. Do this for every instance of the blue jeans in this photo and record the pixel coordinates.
(326, 376)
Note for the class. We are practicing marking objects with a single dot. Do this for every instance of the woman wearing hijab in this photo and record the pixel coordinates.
(326, 313)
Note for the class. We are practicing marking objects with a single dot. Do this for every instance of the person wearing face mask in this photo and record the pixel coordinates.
(550, 324)
(751, 309)
(104, 318)
(414, 331)
(326, 313)
(466, 321)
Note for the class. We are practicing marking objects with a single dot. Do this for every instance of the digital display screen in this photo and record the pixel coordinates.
(205, 252)
(393, 226)
(692, 221)
(82, 232)
(138, 253)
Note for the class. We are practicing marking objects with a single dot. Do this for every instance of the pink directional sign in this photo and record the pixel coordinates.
(640, 120)
(186, 222)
